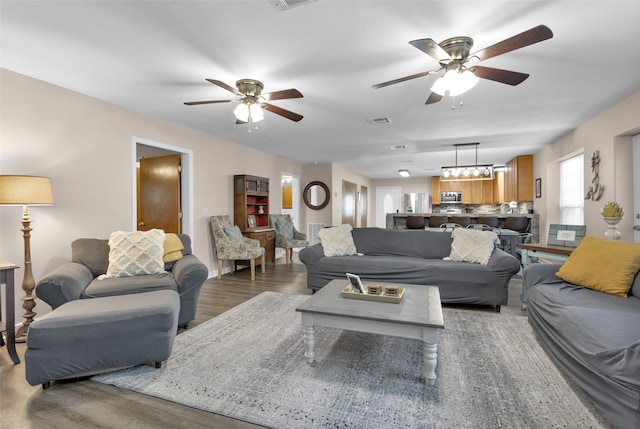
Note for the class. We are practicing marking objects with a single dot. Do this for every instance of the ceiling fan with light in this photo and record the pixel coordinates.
(253, 101)
(460, 71)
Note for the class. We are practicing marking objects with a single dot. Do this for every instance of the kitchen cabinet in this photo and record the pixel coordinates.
(435, 190)
(518, 179)
(473, 191)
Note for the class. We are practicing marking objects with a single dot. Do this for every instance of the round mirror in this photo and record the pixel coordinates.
(316, 195)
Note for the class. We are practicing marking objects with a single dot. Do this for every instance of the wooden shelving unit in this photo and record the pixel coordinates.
(251, 198)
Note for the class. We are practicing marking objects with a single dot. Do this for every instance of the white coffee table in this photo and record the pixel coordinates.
(418, 316)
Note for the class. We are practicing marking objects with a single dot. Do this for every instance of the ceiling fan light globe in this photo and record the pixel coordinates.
(467, 80)
(257, 114)
(439, 86)
(242, 112)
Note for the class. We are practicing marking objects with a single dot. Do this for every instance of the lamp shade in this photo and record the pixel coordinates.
(25, 190)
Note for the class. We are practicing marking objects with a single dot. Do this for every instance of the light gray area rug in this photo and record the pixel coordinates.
(249, 364)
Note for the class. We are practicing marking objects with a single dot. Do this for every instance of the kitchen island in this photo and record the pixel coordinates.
(399, 220)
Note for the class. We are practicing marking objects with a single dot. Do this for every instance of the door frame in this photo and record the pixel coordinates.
(380, 192)
(186, 186)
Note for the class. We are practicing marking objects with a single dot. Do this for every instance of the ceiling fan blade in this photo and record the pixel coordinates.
(282, 112)
(403, 79)
(526, 38)
(225, 86)
(431, 48)
(239, 122)
(433, 98)
(193, 103)
(282, 95)
(499, 75)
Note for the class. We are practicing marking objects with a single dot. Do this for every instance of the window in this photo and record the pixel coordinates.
(572, 190)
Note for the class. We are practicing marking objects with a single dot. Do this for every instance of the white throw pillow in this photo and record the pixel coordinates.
(136, 253)
(470, 245)
(337, 241)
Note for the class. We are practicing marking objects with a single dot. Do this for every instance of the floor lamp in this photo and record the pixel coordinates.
(25, 191)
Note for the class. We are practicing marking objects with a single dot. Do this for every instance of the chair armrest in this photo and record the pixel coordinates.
(540, 273)
(298, 235)
(252, 242)
(312, 254)
(188, 273)
(501, 261)
(63, 284)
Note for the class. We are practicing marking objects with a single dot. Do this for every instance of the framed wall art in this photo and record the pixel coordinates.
(538, 187)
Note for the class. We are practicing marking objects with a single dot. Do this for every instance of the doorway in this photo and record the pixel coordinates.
(364, 207)
(290, 187)
(349, 203)
(148, 148)
(387, 201)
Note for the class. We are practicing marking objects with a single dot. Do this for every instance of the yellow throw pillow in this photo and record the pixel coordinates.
(172, 248)
(603, 265)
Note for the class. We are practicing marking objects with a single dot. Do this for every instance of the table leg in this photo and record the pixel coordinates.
(526, 261)
(8, 278)
(430, 355)
(309, 342)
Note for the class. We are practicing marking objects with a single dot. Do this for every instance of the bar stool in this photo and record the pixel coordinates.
(491, 221)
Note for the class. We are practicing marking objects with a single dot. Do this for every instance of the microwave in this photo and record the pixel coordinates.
(450, 197)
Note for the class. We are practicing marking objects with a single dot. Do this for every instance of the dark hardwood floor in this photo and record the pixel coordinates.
(86, 404)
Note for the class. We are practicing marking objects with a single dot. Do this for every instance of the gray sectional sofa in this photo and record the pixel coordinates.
(77, 279)
(415, 257)
(593, 336)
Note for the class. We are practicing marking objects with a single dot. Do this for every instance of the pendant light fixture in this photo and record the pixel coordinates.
(467, 172)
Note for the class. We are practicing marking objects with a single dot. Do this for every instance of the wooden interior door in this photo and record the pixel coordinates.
(363, 206)
(159, 194)
(349, 203)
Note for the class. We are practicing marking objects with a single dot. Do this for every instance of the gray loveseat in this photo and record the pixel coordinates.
(77, 279)
(415, 257)
(593, 336)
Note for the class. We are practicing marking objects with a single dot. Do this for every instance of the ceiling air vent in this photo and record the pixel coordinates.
(282, 5)
(379, 121)
(398, 147)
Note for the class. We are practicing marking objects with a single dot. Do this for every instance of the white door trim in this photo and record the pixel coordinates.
(186, 159)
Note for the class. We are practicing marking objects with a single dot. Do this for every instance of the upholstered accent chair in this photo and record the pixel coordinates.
(231, 245)
(287, 236)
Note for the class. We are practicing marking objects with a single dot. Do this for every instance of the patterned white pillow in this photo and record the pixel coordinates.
(136, 253)
(470, 245)
(337, 241)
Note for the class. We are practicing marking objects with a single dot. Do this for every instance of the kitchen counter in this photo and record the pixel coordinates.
(399, 220)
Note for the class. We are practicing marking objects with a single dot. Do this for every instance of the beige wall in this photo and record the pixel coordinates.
(85, 146)
(609, 132)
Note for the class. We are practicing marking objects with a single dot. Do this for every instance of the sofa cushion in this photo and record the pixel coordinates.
(136, 253)
(93, 253)
(172, 248)
(603, 265)
(402, 242)
(470, 245)
(337, 241)
(128, 285)
(285, 228)
(234, 233)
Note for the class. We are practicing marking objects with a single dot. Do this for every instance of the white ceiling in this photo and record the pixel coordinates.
(151, 56)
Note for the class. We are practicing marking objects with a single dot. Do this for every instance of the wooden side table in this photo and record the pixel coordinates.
(7, 278)
(546, 251)
(267, 239)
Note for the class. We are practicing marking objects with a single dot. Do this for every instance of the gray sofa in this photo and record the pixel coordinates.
(415, 257)
(593, 336)
(77, 279)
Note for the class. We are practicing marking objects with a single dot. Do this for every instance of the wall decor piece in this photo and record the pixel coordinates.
(538, 187)
(596, 189)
